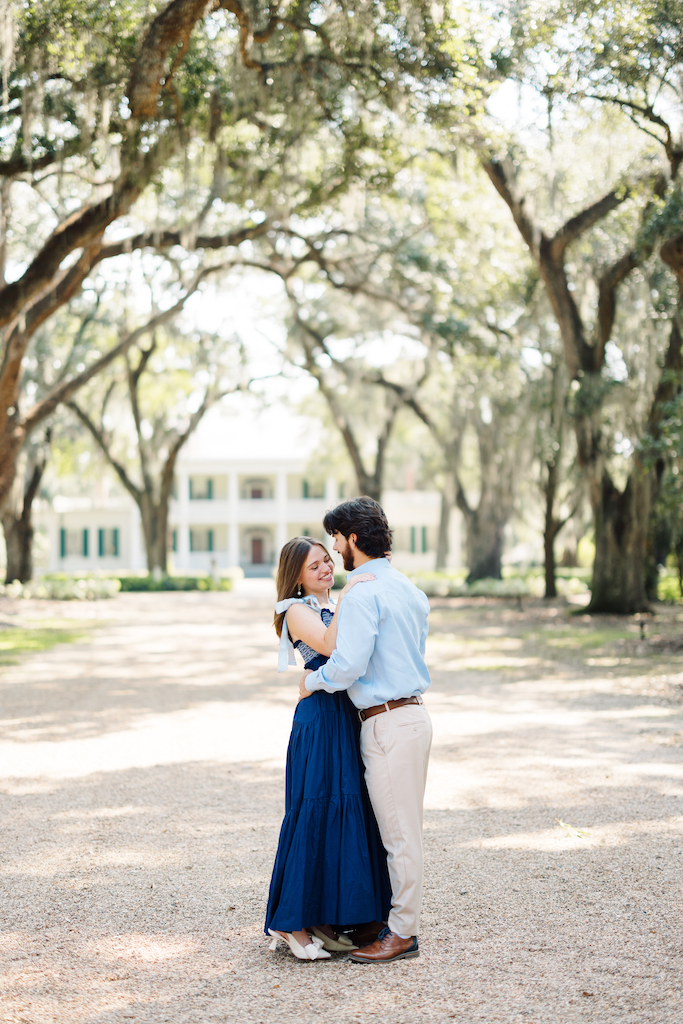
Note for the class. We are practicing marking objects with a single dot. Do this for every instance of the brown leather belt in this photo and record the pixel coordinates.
(389, 706)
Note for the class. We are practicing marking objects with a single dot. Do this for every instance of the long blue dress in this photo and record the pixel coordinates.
(330, 866)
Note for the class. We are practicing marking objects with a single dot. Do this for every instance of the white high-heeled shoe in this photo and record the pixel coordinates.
(313, 951)
(342, 944)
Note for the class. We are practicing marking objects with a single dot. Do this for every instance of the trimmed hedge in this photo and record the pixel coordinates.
(62, 587)
(145, 584)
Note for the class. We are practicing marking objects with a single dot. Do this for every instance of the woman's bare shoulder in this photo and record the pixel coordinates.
(302, 613)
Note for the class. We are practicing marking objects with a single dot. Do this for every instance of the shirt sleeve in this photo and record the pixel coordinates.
(423, 638)
(356, 637)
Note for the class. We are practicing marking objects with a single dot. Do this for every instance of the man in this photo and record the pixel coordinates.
(379, 659)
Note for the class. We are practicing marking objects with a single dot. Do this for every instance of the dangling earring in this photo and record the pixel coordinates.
(299, 590)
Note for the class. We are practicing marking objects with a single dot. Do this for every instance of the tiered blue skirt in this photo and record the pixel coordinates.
(330, 867)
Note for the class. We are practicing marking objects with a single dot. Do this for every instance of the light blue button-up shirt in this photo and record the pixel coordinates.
(380, 640)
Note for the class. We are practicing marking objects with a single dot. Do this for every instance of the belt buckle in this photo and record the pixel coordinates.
(361, 719)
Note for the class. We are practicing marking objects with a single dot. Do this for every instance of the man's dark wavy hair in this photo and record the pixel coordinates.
(365, 517)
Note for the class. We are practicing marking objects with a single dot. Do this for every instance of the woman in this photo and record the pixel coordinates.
(330, 868)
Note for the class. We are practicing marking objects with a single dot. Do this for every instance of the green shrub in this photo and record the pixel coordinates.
(441, 584)
(62, 587)
(668, 589)
(145, 584)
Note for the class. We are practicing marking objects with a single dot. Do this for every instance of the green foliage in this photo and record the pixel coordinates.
(669, 589)
(441, 584)
(148, 584)
(63, 587)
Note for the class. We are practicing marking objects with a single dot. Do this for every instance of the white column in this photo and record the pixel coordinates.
(331, 498)
(183, 524)
(233, 519)
(280, 513)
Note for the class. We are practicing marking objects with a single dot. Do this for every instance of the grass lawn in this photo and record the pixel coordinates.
(18, 640)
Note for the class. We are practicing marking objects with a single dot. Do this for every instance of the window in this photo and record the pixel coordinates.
(424, 540)
(201, 539)
(201, 488)
(108, 542)
(73, 542)
(412, 540)
(257, 489)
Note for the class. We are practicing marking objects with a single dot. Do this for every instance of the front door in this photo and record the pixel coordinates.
(257, 550)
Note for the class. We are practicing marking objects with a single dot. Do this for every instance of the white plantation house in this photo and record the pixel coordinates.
(244, 485)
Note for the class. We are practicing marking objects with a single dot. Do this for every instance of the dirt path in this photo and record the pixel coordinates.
(142, 792)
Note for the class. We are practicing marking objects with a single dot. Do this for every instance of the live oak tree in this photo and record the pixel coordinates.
(223, 102)
(364, 417)
(74, 336)
(453, 280)
(146, 409)
(587, 310)
(17, 512)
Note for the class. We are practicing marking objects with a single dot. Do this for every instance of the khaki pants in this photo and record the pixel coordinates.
(395, 750)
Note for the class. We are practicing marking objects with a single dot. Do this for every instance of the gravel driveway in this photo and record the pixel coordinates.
(142, 793)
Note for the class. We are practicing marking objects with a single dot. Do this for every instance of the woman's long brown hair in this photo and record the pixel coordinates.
(292, 559)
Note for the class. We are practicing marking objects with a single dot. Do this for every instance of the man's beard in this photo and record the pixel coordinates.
(347, 557)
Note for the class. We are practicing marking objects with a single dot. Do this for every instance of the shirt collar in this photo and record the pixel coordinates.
(374, 565)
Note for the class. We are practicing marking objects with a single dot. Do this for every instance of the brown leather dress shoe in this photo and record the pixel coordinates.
(386, 949)
(364, 934)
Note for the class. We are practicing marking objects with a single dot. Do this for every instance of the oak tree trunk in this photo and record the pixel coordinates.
(154, 515)
(17, 526)
(549, 565)
(442, 543)
(18, 532)
(484, 543)
(621, 526)
(550, 530)
(370, 486)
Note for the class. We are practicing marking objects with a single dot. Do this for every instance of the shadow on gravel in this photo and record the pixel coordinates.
(140, 895)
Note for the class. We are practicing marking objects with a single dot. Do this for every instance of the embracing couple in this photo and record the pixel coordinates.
(349, 865)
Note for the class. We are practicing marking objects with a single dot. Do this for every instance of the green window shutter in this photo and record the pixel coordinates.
(189, 487)
(62, 543)
(210, 540)
(100, 543)
(209, 489)
(191, 541)
(175, 540)
(85, 543)
(305, 489)
(424, 539)
(412, 540)
(115, 541)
